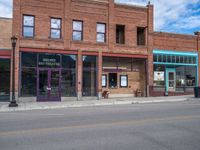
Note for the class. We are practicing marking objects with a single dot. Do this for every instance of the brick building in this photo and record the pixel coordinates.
(5, 52)
(72, 49)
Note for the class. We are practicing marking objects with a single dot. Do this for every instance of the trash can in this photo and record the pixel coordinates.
(197, 92)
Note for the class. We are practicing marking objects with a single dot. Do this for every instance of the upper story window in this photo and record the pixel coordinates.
(28, 26)
(77, 30)
(55, 28)
(120, 34)
(101, 32)
(140, 36)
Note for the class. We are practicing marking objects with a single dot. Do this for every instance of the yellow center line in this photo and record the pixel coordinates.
(106, 124)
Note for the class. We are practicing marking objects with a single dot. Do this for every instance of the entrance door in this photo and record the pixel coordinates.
(170, 79)
(48, 85)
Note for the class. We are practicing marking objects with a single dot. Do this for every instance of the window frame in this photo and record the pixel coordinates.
(137, 37)
(116, 86)
(80, 31)
(124, 35)
(58, 29)
(106, 80)
(23, 26)
(102, 33)
(121, 86)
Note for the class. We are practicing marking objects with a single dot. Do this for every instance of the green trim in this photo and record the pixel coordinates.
(171, 52)
(175, 64)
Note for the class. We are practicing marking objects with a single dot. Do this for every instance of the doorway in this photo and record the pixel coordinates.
(170, 79)
(48, 84)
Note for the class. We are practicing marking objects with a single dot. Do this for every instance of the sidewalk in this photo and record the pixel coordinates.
(88, 103)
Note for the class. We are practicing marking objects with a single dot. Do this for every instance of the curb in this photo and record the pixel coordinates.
(27, 106)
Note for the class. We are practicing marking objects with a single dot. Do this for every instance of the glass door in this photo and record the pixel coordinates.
(170, 79)
(48, 85)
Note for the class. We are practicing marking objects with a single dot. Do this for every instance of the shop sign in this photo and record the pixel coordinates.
(159, 75)
(49, 60)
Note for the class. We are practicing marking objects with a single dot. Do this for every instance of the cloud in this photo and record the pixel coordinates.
(6, 8)
(182, 16)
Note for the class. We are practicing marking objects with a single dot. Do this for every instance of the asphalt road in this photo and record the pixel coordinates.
(158, 126)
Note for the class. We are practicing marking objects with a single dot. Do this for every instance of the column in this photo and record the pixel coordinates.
(79, 75)
(99, 67)
(16, 28)
(149, 48)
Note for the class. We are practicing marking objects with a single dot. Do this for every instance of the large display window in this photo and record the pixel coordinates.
(33, 64)
(89, 76)
(4, 79)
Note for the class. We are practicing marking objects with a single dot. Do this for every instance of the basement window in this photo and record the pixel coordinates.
(120, 34)
(140, 36)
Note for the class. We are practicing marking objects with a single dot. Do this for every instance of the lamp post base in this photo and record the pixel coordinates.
(13, 104)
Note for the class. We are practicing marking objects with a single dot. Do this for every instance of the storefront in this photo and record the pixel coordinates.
(123, 77)
(48, 77)
(174, 72)
(4, 79)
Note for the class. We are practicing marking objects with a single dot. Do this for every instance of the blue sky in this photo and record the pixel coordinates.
(179, 16)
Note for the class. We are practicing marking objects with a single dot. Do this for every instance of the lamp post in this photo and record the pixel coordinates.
(13, 102)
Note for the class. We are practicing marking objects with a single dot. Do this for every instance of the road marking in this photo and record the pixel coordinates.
(51, 129)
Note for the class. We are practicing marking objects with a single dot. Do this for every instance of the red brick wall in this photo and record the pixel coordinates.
(5, 34)
(169, 41)
(90, 12)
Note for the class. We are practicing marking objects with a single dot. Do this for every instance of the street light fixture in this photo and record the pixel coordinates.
(13, 102)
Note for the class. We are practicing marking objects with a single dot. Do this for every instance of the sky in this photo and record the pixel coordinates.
(179, 16)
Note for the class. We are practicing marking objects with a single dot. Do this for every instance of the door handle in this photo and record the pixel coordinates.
(48, 89)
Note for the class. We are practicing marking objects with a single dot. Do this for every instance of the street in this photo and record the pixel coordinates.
(156, 126)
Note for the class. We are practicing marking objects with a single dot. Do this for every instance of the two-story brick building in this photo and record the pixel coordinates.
(71, 49)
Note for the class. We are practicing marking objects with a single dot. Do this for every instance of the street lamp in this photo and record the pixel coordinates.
(13, 102)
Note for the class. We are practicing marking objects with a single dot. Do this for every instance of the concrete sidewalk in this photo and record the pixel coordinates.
(88, 103)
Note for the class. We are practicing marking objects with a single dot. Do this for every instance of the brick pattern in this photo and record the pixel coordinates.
(5, 34)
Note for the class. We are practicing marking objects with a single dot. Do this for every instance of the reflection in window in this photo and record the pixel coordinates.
(28, 26)
(101, 32)
(77, 30)
(55, 28)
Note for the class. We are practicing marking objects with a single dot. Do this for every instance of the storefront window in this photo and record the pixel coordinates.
(89, 76)
(159, 75)
(29, 59)
(32, 62)
(4, 79)
(68, 80)
(68, 83)
(28, 80)
(190, 76)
